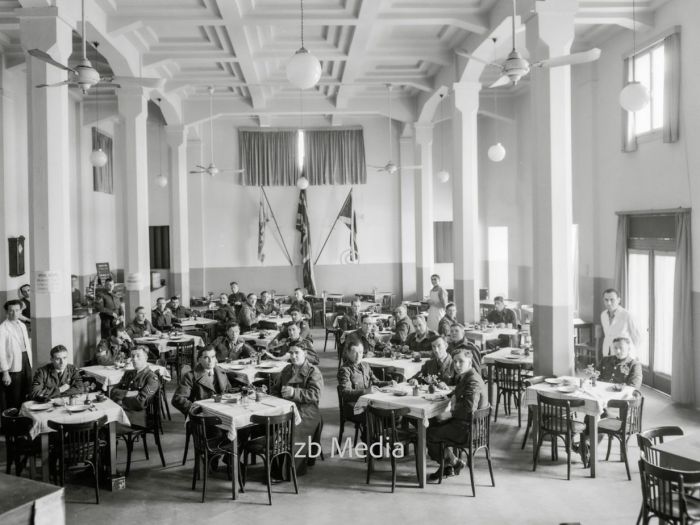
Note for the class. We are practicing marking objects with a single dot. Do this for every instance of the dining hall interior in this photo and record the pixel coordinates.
(235, 233)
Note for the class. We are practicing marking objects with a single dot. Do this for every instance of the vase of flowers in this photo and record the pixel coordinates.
(592, 374)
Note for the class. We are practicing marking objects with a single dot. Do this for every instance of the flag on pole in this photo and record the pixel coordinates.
(348, 217)
(262, 223)
(305, 248)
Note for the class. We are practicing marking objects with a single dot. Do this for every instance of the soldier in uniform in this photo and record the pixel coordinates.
(109, 308)
(621, 367)
(298, 320)
(56, 378)
(161, 316)
(364, 336)
(301, 304)
(266, 305)
(469, 395)
(205, 381)
(136, 387)
(404, 327)
(421, 339)
(351, 321)
(236, 298)
(140, 326)
(178, 311)
(458, 342)
(447, 321)
(280, 350)
(247, 315)
(231, 346)
(225, 314)
(439, 366)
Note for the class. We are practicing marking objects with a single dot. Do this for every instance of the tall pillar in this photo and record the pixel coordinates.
(550, 32)
(179, 223)
(195, 202)
(49, 182)
(133, 108)
(465, 199)
(407, 152)
(425, 248)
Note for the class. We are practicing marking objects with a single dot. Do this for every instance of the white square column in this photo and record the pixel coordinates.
(550, 32)
(133, 108)
(407, 150)
(425, 244)
(49, 182)
(465, 199)
(179, 223)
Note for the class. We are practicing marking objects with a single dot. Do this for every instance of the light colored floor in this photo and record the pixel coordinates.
(335, 492)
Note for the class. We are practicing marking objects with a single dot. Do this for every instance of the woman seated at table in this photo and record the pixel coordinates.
(621, 368)
(453, 428)
(279, 350)
(420, 341)
(439, 369)
(231, 346)
(302, 383)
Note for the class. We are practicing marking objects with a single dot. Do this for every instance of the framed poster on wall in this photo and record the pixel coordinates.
(16, 254)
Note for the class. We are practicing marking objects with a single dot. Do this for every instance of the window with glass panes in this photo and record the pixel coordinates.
(650, 66)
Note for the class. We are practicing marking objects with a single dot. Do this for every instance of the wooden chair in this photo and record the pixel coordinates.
(381, 425)
(164, 407)
(510, 386)
(276, 445)
(629, 422)
(131, 434)
(19, 445)
(210, 445)
(330, 330)
(556, 421)
(77, 446)
(478, 438)
(653, 436)
(185, 354)
(666, 495)
(345, 416)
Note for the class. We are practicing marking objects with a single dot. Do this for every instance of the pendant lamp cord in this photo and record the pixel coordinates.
(211, 125)
(634, 42)
(302, 22)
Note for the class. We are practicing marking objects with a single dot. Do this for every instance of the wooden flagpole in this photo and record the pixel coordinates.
(284, 245)
(334, 223)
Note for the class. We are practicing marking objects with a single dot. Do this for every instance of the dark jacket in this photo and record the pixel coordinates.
(227, 349)
(146, 382)
(349, 322)
(357, 380)
(504, 317)
(368, 344)
(247, 318)
(404, 327)
(423, 346)
(108, 303)
(304, 330)
(469, 395)
(284, 345)
(444, 370)
(47, 382)
(627, 371)
(162, 320)
(225, 314)
(308, 385)
(238, 297)
(269, 308)
(196, 385)
(180, 312)
(303, 306)
(136, 329)
(444, 326)
(465, 344)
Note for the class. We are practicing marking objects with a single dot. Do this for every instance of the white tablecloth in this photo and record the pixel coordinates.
(40, 419)
(279, 321)
(235, 416)
(489, 335)
(596, 398)
(110, 376)
(505, 355)
(248, 373)
(418, 406)
(189, 322)
(255, 339)
(162, 342)
(407, 367)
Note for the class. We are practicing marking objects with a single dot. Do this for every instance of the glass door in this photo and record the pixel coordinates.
(650, 301)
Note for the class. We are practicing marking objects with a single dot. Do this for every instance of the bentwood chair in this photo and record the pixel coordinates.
(330, 330)
(622, 428)
(77, 446)
(654, 436)
(185, 354)
(131, 434)
(510, 387)
(19, 446)
(666, 494)
(346, 414)
(556, 421)
(478, 438)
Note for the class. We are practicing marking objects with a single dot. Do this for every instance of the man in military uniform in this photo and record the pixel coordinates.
(178, 311)
(205, 381)
(421, 339)
(621, 367)
(140, 326)
(225, 314)
(247, 315)
(56, 378)
(161, 316)
(440, 366)
(109, 308)
(298, 320)
(458, 342)
(231, 346)
(502, 317)
(469, 395)
(449, 319)
(236, 298)
(136, 387)
(404, 327)
(364, 336)
(301, 304)
(279, 351)
(266, 305)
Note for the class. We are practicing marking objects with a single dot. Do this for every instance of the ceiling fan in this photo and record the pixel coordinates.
(391, 167)
(212, 170)
(516, 67)
(83, 75)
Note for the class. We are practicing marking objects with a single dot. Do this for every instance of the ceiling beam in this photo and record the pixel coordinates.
(615, 16)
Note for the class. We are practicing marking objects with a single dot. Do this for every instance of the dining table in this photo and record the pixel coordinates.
(246, 371)
(257, 341)
(596, 399)
(161, 343)
(504, 355)
(680, 453)
(111, 375)
(42, 413)
(406, 366)
(420, 408)
(192, 322)
(481, 337)
(278, 321)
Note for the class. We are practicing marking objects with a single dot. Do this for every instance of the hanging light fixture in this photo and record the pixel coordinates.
(303, 68)
(635, 95)
(497, 152)
(302, 182)
(443, 175)
(161, 179)
(98, 158)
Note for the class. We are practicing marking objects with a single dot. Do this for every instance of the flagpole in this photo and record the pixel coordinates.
(284, 245)
(331, 230)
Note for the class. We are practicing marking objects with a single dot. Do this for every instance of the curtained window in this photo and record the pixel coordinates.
(335, 156)
(269, 157)
(159, 244)
(103, 178)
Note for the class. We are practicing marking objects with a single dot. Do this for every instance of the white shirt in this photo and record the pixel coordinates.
(13, 341)
(622, 325)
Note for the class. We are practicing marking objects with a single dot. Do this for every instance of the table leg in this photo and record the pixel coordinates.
(45, 457)
(420, 453)
(593, 440)
(490, 381)
(535, 430)
(112, 428)
(234, 467)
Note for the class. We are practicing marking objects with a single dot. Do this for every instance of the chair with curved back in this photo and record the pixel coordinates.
(346, 415)
(184, 354)
(153, 425)
(19, 445)
(510, 386)
(653, 436)
(555, 420)
(621, 428)
(77, 446)
(330, 329)
(276, 445)
(666, 494)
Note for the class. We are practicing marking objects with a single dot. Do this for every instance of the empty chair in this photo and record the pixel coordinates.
(556, 421)
(131, 434)
(77, 446)
(648, 438)
(510, 387)
(184, 355)
(666, 495)
(19, 446)
(621, 428)
(330, 330)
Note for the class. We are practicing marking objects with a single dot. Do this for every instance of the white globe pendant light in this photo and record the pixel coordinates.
(634, 96)
(302, 183)
(303, 68)
(98, 158)
(162, 180)
(443, 176)
(497, 152)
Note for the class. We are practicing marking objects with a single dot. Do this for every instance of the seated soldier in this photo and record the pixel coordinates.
(279, 349)
(231, 347)
(205, 381)
(421, 339)
(117, 347)
(225, 315)
(140, 326)
(366, 337)
(621, 368)
(458, 341)
(404, 326)
(447, 321)
(266, 305)
(136, 387)
(439, 369)
(298, 320)
(351, 321)
(161, 316)
(468, 396)
(178, 311)
(57, 378)
(236, 298)
(502, 317)
(356, 378)
(301, 304)
(247, 315)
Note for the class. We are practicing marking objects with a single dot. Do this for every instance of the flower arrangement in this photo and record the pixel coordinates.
(591, 372)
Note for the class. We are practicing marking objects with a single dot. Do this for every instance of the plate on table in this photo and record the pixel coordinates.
(236, 367)
(36, 407)
(265, 366)
(513, 356)
(553, 380)
(76, 408)
(400, 393)
(58, 402)
(434, 397)
(151, 338)
(567, 389)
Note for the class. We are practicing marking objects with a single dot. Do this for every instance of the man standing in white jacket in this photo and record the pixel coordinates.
(15, 366)
(617, 322)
